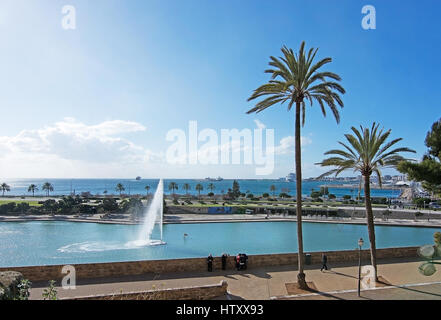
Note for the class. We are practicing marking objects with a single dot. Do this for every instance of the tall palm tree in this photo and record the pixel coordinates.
(294, 79)
(173, 186)
(32, 188)
(4, 187)
(120, 188)
(367, 153)
(186, 187)
(199, 188)
(147, 188)
(48, 187)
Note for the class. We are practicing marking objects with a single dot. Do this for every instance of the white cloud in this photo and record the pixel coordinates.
(73, 140)
(72, 146)
(287, 144)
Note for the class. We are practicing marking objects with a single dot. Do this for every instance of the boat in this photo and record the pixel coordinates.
(214, 179)
(290, 177)
(138, 178)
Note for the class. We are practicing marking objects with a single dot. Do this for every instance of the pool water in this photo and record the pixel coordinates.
(56, 242)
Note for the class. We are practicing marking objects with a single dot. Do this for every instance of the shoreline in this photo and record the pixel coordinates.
(195, 218)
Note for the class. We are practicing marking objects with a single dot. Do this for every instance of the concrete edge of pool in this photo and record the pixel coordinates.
(134, 268)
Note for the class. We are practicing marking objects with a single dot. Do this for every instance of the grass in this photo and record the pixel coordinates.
(31, 203)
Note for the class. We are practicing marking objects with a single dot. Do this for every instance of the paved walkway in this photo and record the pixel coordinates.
(265, 283)
(201, 218)
(424, 291)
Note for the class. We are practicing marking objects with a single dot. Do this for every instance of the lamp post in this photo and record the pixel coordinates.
(360, 244)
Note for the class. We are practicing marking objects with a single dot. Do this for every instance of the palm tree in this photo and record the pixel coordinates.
(48, 187)
(367, 153)
(186, 187)
(173, 186)
(294, 79)
(4, 187)
(120, 188)
(211, 187)
(147, 188)
(273, 189)
(32, 188)
(199, 188)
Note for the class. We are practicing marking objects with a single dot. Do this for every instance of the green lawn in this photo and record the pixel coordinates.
(270, 204)
(31, 203)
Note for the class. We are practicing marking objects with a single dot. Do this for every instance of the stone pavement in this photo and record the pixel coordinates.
(270, 282)
(424, 291)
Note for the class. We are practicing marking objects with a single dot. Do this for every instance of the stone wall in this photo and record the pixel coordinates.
(189, 293)
(116, 269)
(395, 214)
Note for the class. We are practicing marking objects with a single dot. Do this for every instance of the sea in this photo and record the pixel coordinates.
(19, 187)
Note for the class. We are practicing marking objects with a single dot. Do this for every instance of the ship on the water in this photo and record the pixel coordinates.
(290, 177)
(214, 179)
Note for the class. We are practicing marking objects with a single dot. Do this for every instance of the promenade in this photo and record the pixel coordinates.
(340, 282)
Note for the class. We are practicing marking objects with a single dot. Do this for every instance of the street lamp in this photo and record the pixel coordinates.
(360, 244)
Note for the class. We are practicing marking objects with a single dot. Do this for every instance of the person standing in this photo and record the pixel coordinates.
(210, 263)
(324, 262)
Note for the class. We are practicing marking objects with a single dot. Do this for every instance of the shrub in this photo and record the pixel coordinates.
(420, 202)
(23, 289)
(22, 207)
(34, 211)
(110, 205)
(50, 293)
(86, 209)
(315, 194)
(7, 208)
(240, 210)
(379, 200)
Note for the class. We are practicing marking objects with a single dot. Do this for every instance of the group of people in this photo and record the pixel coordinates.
(242, 260)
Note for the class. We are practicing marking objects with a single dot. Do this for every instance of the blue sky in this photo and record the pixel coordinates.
(99, 100)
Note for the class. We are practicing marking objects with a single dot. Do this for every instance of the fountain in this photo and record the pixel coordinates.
(154, 214)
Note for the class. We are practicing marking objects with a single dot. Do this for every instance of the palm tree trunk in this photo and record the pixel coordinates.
(370, 222)
(301, 277)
